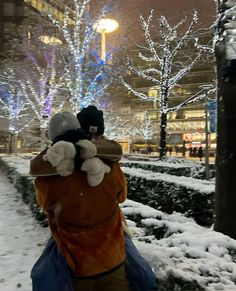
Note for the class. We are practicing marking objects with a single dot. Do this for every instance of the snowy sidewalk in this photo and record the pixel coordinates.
(21, 239)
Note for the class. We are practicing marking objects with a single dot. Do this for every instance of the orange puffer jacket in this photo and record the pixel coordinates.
(85, 221)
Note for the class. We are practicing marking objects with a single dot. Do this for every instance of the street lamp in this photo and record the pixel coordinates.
(105, 25)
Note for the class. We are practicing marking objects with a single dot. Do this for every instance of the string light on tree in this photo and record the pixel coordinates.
(164, 67)
(146, 128)
(15, 106)
(85, 82)
(42, 86)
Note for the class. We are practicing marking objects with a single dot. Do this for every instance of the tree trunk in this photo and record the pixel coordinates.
(9, 144)
(42, 139)
(163, 124)
(43, 126)
(225, 199)
(15, 138)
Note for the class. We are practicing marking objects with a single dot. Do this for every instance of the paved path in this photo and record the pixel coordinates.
(21, 239)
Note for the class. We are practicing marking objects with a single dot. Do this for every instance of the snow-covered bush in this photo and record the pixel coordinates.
(172, 166)
(194, 198)
(184, 255)
(12, 167)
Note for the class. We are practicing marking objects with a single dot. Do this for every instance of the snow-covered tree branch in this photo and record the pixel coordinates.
(14, 104)
(146, 128)
(42, 87)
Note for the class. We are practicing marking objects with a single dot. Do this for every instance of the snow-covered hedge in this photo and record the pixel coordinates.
(171, 166)
(184, 255)
(192, 197)
(16, 169)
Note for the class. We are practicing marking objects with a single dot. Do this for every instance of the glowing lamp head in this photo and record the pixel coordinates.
(106, 25)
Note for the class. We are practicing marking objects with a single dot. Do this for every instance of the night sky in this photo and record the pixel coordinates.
(129, 11)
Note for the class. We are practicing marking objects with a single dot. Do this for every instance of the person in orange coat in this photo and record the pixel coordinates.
(86, 223)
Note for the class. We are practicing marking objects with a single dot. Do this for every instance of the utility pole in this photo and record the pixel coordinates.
(225, 52)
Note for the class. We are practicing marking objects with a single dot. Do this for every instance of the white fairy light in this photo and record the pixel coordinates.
(15, 104)
(79, 38)
(165, 68)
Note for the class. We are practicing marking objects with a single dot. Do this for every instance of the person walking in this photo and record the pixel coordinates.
(200, 153)
(190, 151)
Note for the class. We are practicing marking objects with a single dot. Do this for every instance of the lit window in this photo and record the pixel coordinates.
(152, 92)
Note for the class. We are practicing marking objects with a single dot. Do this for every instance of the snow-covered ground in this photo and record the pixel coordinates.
(187, 250)
(21, 239)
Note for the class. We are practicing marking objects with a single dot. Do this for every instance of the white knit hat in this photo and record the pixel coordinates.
(61, 123)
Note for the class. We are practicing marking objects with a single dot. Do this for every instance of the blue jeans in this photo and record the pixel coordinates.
(51, 272)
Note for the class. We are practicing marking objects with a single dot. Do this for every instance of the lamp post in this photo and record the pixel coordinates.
(207, 88)
(105, 25)
(207, 140)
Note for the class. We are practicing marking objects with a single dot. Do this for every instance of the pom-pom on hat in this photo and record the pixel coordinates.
(61, 123)
(91, 120)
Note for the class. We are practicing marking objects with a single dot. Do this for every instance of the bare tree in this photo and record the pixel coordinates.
(14, 107)
(87, 75)
(145, 129)
(165, 65)
(37, 61)
(42, 86)
(115, 125)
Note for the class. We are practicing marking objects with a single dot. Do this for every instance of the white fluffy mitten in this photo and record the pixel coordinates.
(65, 167)
(61, 156)
(88, 149)
(95, 169)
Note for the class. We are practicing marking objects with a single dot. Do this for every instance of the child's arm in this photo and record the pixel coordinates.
(106, 149)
